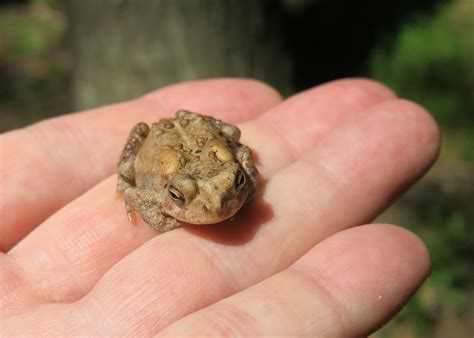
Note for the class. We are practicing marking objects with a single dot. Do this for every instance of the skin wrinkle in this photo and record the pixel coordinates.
(14, 282)
(271, 297)
(72, 249)
(84, 221)
(69, 278)
(30, 287)
(268, 297)
(157, 246)
(129, 303)
(97, 315)
(342, 274)
(219, 263)
(241, 276)
(237, 322)
(325, 289)
(64, 321)
(225, 321)
(323, 296)
(89, 308)
(65, 251)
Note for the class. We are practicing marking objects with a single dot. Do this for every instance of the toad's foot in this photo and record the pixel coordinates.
(147, 205)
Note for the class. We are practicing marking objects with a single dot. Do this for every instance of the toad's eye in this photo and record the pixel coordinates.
(176, 195)
(239, 180)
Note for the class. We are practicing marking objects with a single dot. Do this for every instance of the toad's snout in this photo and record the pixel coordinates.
(213, 210)
(219, 210)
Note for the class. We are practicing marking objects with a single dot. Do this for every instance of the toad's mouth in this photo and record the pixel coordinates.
(207, 214)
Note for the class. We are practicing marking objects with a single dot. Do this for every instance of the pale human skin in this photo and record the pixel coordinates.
(300, 260)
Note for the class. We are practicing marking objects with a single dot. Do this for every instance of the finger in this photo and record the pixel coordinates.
(299, 123)
(347, 286)
(334, 187)
(85, 244)
(59, 159)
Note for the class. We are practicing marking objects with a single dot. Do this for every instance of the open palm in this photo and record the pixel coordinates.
(300, 259)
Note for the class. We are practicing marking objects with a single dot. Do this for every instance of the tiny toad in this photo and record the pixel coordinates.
(187, 169)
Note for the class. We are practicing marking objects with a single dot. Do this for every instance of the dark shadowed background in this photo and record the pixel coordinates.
(60, 56)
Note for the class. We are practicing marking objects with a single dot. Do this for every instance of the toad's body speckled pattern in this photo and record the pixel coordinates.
(187, 169)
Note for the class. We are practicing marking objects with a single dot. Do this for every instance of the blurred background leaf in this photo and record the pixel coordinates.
(34, 63)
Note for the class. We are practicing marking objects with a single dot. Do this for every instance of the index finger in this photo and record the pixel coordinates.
(46, 165)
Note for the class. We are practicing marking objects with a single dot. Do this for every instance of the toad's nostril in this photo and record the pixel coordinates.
(205, 208)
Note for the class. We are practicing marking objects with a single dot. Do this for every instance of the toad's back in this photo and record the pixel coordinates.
(189, 144)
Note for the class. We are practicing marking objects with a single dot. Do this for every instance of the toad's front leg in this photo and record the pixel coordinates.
(244, 157)
(147, 204)
(126, 165)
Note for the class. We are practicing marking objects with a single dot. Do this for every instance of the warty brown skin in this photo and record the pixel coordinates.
(187, 169)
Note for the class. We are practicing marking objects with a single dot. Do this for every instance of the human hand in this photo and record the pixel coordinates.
(298, 260)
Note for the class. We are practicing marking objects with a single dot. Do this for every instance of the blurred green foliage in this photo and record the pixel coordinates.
(28, 37)
(34, 65)
(443, 218)
(431, 61)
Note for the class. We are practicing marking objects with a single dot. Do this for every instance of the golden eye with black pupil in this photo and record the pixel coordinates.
(176, 195)
(239, 180)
